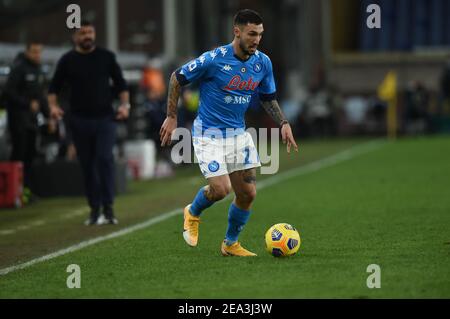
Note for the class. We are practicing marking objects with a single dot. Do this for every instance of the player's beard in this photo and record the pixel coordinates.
(87, 44)
(244, 48)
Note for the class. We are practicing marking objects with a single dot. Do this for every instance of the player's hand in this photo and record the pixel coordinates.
(288, 138)
(167, 128)
(71, 152)
(56, 112)
(52, 126)
(34, 106)
(123, 112)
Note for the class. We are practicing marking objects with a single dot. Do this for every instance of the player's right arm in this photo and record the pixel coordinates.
(170, 123)
(190, 72)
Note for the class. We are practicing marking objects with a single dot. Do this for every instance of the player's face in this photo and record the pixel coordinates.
(249, 37)
(85, 37)
(34, 53)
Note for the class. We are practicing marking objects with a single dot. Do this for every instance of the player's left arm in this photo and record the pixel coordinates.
(267, 96)
(273, 109)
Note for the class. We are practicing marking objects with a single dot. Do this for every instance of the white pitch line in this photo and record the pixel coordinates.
(38, 223)
(93, 241)
(22, 227)
(75, 213)
(308, 168)
(7, 231)
(72, 214)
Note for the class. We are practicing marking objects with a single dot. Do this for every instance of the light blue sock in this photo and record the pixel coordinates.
(200, 203)
(237, 218)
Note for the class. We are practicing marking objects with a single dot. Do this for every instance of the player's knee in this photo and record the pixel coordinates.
(251, 194)
(223, 191)
(220, 191)
(247, 196)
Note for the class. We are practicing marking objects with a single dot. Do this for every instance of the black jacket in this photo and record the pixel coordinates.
(89, 77)
(26, 82)
(445, 82)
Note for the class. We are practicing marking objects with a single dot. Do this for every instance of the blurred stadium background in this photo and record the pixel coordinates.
(338, 82)
(328, 65)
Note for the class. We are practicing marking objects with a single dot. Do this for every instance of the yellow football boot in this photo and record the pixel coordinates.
(235, 250)
(190, 233)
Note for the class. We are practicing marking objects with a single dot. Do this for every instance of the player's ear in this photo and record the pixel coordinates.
(237, 31)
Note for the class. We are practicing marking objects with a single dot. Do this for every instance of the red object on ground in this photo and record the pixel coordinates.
(11, 184)
(134, 168)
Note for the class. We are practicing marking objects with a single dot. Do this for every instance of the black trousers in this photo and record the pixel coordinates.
(94, 139)
(23, 142)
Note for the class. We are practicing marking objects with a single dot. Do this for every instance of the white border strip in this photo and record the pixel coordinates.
(308, 168)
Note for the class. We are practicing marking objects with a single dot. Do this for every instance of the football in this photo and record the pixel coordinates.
(282, 240)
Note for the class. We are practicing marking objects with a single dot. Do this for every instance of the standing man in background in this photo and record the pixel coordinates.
(25, 99)
(88, 69)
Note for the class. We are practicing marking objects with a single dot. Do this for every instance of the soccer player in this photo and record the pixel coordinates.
(228, 76)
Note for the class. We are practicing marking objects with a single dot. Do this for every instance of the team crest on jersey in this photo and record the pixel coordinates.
(243, 69)
(213, 166)
(257, 67)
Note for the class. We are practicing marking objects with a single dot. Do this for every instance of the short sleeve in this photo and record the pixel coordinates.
(267, 86)
(196, 69)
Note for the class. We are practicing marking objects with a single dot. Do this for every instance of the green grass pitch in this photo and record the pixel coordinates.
(389, 206)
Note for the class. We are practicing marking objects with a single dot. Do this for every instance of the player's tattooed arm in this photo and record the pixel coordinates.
(273, 109)
(170, 123)
(173, 96)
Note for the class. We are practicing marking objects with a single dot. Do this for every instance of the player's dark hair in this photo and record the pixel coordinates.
(246, 16)
(32, 42)
(84, 23)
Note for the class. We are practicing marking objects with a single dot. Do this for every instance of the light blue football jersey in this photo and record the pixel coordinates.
(227, 84)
